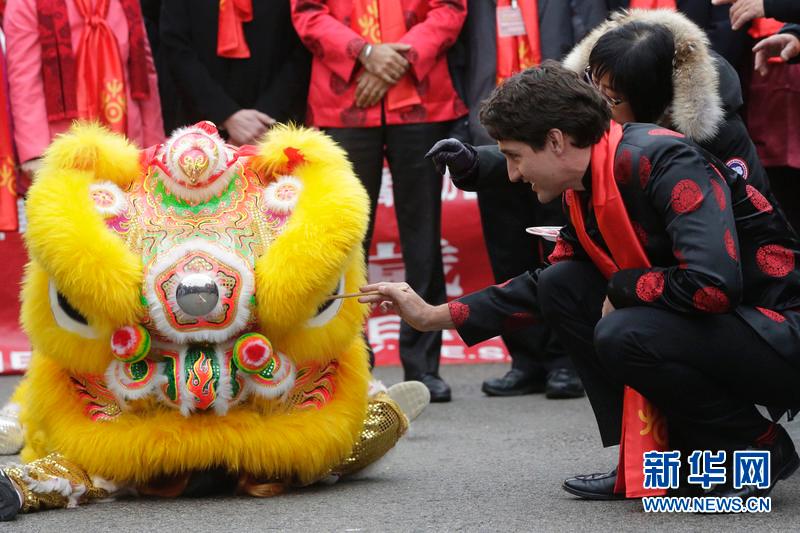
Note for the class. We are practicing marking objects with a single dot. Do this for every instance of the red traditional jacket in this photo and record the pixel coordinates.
(326, 27)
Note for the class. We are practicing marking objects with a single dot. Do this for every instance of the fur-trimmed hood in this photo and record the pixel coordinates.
(697, 108)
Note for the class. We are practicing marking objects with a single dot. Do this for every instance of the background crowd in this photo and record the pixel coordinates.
(386, 79)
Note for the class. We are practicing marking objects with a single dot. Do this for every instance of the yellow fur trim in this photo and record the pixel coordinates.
(90, 265)
(134, 448)
(295, 276)
(324, 342)
(75, 353)
(91, 147)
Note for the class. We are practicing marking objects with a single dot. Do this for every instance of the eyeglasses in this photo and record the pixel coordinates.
(587, 74)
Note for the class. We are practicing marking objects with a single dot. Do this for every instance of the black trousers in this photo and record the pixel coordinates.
(705, 372)
(418, 205)
(505, 213)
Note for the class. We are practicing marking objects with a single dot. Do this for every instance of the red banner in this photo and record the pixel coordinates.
(466, 269)
(15, 351)
(8, 175)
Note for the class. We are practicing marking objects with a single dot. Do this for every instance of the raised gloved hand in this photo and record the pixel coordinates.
(460, 158)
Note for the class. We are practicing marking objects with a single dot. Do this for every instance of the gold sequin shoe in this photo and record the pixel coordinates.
(54, 482)
(383, 427)
(11, 435)
(411, 396)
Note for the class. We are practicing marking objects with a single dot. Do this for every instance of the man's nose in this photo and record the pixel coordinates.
(513, 174)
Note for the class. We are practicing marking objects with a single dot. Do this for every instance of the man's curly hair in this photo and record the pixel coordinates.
(529, 104)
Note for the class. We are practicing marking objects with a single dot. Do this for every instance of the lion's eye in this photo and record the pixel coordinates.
(329, 308)
(67, 316)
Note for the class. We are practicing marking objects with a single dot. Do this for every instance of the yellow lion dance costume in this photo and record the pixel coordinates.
(178, 301)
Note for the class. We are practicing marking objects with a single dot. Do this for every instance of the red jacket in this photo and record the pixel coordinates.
(324, 27)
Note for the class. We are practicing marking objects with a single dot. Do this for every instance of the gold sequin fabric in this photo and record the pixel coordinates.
(53, 482)
(383, 427)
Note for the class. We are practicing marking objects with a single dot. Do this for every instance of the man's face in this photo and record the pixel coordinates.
(541, 169)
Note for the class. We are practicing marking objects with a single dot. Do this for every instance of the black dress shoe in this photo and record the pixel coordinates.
(563, 383)
(514, 383)
(440, 391)
(783, 460)
(593, 486)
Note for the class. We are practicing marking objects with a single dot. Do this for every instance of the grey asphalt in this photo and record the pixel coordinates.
(475, 464)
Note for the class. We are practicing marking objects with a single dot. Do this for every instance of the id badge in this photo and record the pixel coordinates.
(509, 21)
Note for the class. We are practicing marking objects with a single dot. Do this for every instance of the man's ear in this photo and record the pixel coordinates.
(556, 141)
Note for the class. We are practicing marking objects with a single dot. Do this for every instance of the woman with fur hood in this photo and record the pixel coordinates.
(689, 87)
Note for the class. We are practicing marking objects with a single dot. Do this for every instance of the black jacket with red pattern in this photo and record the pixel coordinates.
(715, 241)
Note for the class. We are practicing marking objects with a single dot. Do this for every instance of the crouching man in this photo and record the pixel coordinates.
(673, 275)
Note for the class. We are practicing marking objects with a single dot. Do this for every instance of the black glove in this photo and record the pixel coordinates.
(460, 158)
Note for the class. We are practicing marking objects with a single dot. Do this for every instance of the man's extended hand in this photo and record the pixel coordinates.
(370, 89)
(785, 45)
(459, 157)
(246, 126)
(742, 11)
(386, 61)
(408, 304)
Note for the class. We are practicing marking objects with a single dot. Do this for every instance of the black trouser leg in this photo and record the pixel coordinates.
(505, 213)
(418, 204)
(571, 297)
(705, 372)
(364, 147)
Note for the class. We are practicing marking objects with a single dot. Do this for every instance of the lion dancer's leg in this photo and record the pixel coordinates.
(388, 415)
(48, 483)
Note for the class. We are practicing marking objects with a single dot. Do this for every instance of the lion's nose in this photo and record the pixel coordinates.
(197, 294)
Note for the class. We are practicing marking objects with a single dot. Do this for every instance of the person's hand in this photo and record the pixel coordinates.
(370, 89)
(742, 11)
(785, 45)
(608, 308)
(31, 166)
(409, 305)
(386, 61)
(459, 157)
(246, 126)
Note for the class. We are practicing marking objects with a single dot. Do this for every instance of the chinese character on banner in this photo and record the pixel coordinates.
(706, 468)
(751, 468)
(661, 469)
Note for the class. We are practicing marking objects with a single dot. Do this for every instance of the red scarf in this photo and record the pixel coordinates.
(8, 177)
(516, 53)
(59, 72)
(653, 4)
(101, 80)
(382, 21)
(612, 217)
(643, 428)
(230, 33)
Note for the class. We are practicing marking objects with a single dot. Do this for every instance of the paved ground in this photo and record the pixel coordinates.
(476, 464)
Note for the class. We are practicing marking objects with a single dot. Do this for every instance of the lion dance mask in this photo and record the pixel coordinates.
(178, 301)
